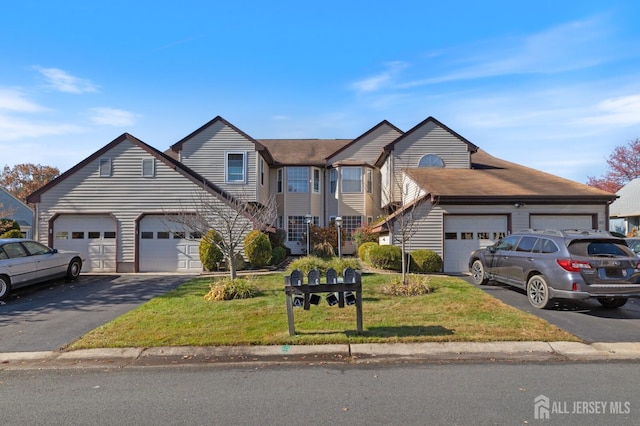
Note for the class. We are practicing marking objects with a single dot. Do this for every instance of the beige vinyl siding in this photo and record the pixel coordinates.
(125, 195)
(428, 223)
(431, 139)
(264, 190)
(368, 148)
(206, 153)
(411, 191)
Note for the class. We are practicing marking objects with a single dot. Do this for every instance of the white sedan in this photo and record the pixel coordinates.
(25, 262)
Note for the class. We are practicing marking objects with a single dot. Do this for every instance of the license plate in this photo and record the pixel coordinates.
(615, 273)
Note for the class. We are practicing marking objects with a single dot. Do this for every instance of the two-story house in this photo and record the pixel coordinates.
(111, 205)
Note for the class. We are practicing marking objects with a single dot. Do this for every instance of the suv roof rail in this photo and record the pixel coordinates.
(565, 232)
(556, 232)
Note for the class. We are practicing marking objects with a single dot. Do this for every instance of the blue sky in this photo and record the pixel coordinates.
(553, 85)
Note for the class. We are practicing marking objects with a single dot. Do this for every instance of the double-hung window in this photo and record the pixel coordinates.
(104, 168)
(297, 179)
(236, 167)
(351, 179)
(333, 180)
(279, 179)
(316, 181)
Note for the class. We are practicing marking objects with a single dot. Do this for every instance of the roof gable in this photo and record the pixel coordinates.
(178, 146)
(163, 158)
(380, 133)
(628, 203)
(471, 147)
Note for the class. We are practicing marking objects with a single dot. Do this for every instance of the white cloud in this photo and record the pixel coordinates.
(384, 79)
(64, 82)
(112, 117)
(15, 100)
(623, 110)
(12, 128)
(570, 46)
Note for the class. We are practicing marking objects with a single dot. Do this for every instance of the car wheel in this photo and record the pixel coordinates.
(5, 286)
(477, 273)
(73, 271)
(538, 292)
(612, 302)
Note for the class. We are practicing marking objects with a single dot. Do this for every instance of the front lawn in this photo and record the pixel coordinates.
(455, 311)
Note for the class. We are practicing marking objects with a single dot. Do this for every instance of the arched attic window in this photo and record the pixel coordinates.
(431, 160)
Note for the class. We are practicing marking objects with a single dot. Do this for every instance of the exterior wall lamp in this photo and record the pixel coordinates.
(339, 224)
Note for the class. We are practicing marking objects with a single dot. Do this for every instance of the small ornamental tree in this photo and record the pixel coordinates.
(257, 248)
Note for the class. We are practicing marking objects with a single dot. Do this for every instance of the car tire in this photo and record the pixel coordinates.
(477, 273)
(612, 302)
(538, 292)
(5, 287)
(73, 271)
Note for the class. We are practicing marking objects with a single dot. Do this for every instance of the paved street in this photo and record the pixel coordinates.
(587, 320)
(406, 394)
(53, 314)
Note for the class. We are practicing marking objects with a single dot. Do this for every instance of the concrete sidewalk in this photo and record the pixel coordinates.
(321, 354)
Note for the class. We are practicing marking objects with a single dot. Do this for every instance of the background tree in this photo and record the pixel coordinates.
(624, 166)
(23, 179)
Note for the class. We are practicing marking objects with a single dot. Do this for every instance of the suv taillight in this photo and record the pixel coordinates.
(573, 265)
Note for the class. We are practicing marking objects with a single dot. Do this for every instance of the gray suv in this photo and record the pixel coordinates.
(567, 264)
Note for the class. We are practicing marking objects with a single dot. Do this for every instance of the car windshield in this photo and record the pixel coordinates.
(599, 248)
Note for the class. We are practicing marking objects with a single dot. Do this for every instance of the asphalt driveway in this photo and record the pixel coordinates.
(51, 315)
(586, 319)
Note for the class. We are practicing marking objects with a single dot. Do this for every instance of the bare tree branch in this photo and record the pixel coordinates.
(232, 217)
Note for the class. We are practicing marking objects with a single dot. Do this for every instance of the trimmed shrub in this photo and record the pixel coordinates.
(307, 263)
(13, 233)
(228, 289)
(426, 261)
(346, 262)
(210, 255)
(363, 251)
(416, 285)
(278, 254)
(257, 248)
(386, 257)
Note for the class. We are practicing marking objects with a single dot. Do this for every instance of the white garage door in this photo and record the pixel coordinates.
(92, 235)
(464, 234)
(561, 221)
(167, 247)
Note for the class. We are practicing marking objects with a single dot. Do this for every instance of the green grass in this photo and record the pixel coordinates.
(455, 311)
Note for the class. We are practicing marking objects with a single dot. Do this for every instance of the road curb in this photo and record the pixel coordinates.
(319, 354)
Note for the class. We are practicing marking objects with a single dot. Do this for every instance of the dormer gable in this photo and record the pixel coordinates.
(367, 147)
(218, 126)
(430, 144)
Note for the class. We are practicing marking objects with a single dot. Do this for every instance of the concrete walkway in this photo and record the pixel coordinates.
(322, 354)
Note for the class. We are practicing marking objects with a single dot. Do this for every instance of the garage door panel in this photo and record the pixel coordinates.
(464, 234)
(91, 235)
(164, 247)
(561, 221)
